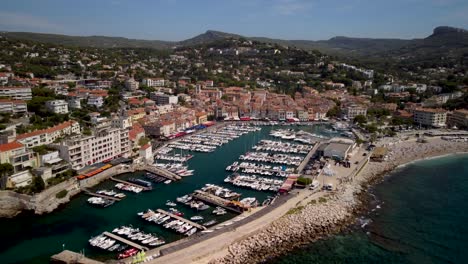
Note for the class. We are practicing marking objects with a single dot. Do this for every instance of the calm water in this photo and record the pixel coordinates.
(423, 219)
(33, 239)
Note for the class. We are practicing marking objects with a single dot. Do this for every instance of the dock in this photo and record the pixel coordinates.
(88, 192)
(123, 240)
(163, 173)
(215, 200)
(182, 219)
(130, 183)
(307, 158)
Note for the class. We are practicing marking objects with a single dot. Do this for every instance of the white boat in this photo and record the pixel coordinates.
(167, 182)
(170, 203)
(196, 218)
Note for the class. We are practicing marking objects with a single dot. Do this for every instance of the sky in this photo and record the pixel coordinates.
(182, 19)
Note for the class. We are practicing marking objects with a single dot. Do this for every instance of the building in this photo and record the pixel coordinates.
(163, 99)
(132, 85)
(74, 103)
(160, 129)
(57, 106)
(432, 117)
(17, 93)
(459, 118)
(146, 153)
(104, 145)
(154, 82)
(352, 111)
(13, 106)
(17, 155)
(95, 100)
(51, 165)
(337, 150)
(49, 135)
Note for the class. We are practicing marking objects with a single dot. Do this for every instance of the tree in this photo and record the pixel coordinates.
(334, 112)
(6, 169)
(143, 141)
(37, 184)
(360, 119)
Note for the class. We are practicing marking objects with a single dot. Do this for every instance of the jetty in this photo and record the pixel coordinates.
(181, 219)
(213, 199)
(130, 183)
(88, 192)
(162, 172)
(123, 240)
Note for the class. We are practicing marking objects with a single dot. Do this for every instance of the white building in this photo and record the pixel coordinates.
(352, 111)
(13, 106)
(17, 93)
(430, 117)
(131, 84)
(95, 100)
(57, 106)
(49, 135)
(147, 153)
(104, 145)
(163, 99)
(154, 82)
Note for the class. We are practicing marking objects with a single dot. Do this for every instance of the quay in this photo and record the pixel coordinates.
(307, 158)
(130, 183)
(250, 167)
(123, 240)
(182, 219)
(88, 192)
(212, 199)
(162, 172)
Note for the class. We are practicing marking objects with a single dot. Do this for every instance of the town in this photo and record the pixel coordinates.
(260, 126)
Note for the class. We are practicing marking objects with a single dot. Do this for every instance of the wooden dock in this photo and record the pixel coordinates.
(130, 183)
(163, 173)
(182, 219)
(123, 240)
(213, 199)
(100, 195)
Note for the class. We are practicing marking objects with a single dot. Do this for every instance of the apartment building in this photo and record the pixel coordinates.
(96, 101)
(132, 85)
(430, 117)
(13, 106)
(459, 118)
(163, 99)
(17, 93)
(17, 155)
(352, 111)
(57, 106)
(105, 144)
(49, 135)
(154, 82)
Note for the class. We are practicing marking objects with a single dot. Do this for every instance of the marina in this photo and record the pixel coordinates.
(127, 184)
(124, 212)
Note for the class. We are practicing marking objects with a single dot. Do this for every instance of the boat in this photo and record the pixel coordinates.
(210, 223)
(196, 218)
(170, 203)
(208, 231)
(127, 253)
(167, 182)
(191, 231)
(219, 211)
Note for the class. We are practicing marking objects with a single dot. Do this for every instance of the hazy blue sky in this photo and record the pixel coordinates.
(182, 19)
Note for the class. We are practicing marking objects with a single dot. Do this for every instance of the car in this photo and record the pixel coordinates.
(364, 154)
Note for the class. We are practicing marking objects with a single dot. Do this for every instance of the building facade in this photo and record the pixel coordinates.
(57, 106)
(13, 106)
(164, 99)
(430, 117)
(49, 135)
(17, 93)
(459, 118)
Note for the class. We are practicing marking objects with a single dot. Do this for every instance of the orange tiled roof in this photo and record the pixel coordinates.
(10, 146)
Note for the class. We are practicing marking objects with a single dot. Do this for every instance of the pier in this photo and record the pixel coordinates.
(130, 183)
(212, 199)
(100, 195)
(181, 219)
(123, 240)
(307, 158)
(162, 172)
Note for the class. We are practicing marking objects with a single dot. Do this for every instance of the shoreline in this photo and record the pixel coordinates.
(263, 244)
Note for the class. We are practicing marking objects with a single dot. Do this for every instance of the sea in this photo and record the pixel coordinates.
(419, 214)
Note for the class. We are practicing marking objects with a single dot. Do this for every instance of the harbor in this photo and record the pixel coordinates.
(124, 212)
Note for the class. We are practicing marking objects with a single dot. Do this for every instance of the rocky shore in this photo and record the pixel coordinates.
(333, 214)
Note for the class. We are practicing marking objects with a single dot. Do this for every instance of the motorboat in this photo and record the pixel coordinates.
(196, 218)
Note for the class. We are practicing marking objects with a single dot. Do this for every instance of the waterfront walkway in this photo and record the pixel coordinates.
(129, 183)
(123, 240)
(308, 157)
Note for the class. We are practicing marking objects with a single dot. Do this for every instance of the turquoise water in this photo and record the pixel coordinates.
(423, 219)
(33, 239)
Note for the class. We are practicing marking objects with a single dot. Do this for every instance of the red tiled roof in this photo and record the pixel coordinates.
(47, 130)
(146, 146)
(10, 146)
